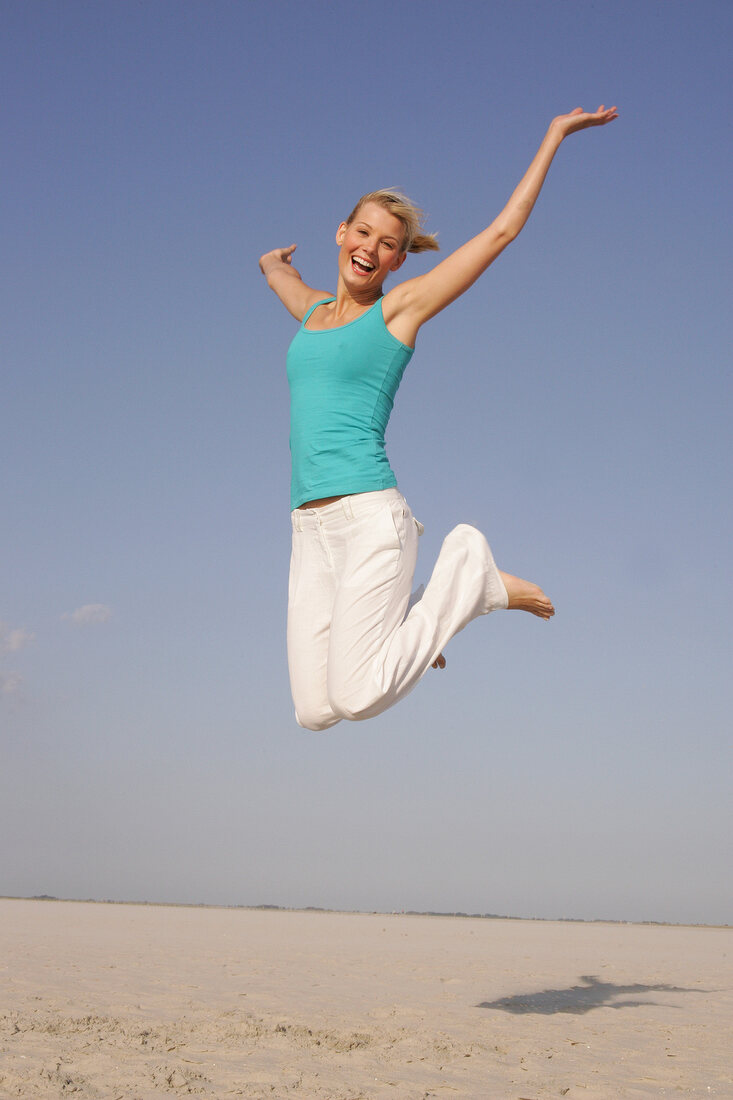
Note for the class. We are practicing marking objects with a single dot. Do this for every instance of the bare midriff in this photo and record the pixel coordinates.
(320, 502)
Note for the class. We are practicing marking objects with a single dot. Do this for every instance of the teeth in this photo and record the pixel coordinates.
(363, 263)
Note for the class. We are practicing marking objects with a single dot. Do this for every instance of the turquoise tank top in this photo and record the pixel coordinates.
(342, 387)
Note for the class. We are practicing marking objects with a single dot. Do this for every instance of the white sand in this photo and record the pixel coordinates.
(134, 1002)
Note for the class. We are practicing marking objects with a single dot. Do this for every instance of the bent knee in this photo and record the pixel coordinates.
(316, 720)
(353, 708)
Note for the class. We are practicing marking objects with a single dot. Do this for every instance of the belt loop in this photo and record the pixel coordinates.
(296, 520)
(348, 510)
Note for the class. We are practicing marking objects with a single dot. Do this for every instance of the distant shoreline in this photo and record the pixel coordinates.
(357, 912)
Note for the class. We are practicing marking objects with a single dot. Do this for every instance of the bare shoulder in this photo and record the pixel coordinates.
(320, 295)
(313, 297)
(295, 295)
(398, 309)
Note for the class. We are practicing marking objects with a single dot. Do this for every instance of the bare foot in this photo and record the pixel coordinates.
(525, 596)
(439, 661)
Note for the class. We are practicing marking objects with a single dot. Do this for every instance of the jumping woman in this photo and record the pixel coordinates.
(356, 645)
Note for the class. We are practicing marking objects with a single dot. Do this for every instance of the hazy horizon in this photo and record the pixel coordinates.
(265, 906)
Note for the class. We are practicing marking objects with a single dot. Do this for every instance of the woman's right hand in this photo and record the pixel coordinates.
(276, 258)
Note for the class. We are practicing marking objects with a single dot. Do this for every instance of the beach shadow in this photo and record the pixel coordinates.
(578, 999)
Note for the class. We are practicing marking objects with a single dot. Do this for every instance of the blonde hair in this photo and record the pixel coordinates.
(407, 212)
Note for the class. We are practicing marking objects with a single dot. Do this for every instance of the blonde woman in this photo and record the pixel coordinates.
(356, 645)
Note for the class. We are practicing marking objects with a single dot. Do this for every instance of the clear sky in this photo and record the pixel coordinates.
(575, 405)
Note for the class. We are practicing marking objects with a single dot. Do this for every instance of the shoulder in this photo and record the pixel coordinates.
(310, 300)
(297, 297)
(398, 310)
(318, 297)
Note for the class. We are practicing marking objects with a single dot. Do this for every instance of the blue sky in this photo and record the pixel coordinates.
(575, 405)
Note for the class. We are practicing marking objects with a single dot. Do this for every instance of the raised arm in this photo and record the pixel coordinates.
(282, 277)
(412, 303)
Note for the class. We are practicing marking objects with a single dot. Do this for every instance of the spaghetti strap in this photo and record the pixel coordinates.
(331, 298)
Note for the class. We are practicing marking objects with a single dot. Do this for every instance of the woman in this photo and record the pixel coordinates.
(355, 646)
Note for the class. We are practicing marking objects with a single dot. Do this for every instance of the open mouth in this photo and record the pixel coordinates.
(361, 265)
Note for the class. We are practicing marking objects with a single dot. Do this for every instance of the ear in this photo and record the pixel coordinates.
(341, 233)
(399, 262)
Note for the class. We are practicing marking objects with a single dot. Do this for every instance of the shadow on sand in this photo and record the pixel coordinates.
(578, 999)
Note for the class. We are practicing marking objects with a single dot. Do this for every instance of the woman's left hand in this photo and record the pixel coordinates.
(580, 119)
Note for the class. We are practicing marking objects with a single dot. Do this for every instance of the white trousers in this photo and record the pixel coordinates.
(354, 648)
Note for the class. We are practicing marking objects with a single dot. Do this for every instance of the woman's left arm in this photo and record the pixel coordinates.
(417, 300)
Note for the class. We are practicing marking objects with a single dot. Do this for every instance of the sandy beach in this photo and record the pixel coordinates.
(139, 1001)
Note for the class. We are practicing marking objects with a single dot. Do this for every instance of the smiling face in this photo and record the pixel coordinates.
(371, 247)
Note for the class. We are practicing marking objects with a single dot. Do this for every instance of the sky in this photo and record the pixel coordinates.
(575, 405)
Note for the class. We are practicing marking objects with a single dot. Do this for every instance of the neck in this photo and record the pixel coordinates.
(349, 300)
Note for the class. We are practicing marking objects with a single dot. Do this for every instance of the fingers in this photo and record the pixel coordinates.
(439, 662)
(606, 114)
(603, 113)
(579, 119)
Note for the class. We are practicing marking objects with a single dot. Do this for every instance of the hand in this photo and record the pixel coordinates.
(277, 257)
(580, 120)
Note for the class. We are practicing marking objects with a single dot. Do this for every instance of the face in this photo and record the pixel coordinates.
(370, 247)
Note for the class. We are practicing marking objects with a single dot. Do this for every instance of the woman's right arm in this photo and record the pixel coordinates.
(282, 277)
